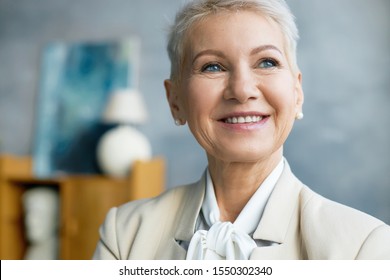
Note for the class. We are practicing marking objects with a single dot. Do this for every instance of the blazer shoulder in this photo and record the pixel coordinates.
(142, 207)
(332, 230)
(122, 225)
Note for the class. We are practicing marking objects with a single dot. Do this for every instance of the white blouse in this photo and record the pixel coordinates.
(218, 240)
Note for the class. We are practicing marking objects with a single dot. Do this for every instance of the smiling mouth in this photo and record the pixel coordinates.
(244, 119)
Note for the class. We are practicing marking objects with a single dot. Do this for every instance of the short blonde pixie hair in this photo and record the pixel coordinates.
(196, 10)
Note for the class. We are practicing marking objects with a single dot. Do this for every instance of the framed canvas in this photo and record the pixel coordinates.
(75, 82)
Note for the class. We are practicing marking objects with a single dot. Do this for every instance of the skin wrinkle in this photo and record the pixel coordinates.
(221, 55)
(183, 45)
(238, 161)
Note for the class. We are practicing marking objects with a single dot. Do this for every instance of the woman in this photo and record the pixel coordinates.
(235, 82)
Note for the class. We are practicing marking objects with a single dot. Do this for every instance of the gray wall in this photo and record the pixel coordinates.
(340, 149)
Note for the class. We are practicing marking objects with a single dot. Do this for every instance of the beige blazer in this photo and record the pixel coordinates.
(302, 223)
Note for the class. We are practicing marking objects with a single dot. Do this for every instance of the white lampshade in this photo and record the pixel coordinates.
(125, 106)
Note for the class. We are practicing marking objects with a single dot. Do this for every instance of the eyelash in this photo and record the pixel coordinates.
(213, 64)
(273, 61)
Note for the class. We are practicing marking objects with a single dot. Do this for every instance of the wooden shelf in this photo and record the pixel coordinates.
(84, 202)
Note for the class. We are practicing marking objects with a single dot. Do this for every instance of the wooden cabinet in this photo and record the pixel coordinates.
(84, 202)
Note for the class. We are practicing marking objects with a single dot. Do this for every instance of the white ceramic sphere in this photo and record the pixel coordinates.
(119, 148)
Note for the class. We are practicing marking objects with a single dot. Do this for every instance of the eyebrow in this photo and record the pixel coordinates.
(265, 48)
(221, 54)
(209, 52)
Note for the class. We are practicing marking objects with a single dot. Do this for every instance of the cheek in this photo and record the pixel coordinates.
(200, 99)
(281, 96)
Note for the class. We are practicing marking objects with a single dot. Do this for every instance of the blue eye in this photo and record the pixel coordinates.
(268, 63)
(214, 67)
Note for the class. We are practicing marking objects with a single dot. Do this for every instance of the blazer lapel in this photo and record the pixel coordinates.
(280, 222)
(183, 226)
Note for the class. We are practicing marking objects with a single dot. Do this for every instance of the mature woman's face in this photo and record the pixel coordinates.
(237, 91)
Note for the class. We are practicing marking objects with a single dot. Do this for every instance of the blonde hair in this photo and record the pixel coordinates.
(196, 10)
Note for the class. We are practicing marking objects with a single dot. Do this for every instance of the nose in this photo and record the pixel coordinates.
(242, 86)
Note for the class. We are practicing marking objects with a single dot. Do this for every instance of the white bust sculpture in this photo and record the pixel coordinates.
(41, 206)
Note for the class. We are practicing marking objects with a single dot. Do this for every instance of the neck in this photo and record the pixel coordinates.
(236, 182)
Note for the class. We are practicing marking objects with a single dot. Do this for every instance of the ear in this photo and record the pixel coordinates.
(173, 100)
(299, 96)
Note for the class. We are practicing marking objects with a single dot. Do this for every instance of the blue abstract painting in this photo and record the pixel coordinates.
(76, 80)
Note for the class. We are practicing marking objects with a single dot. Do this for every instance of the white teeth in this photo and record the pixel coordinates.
(247, 119)
(241, 120)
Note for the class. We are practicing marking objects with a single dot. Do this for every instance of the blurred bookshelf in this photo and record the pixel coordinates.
(84, 202)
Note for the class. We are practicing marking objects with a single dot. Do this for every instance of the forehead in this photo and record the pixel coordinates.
(238, 30)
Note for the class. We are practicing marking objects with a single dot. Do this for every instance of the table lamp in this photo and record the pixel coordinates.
(121, 146)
